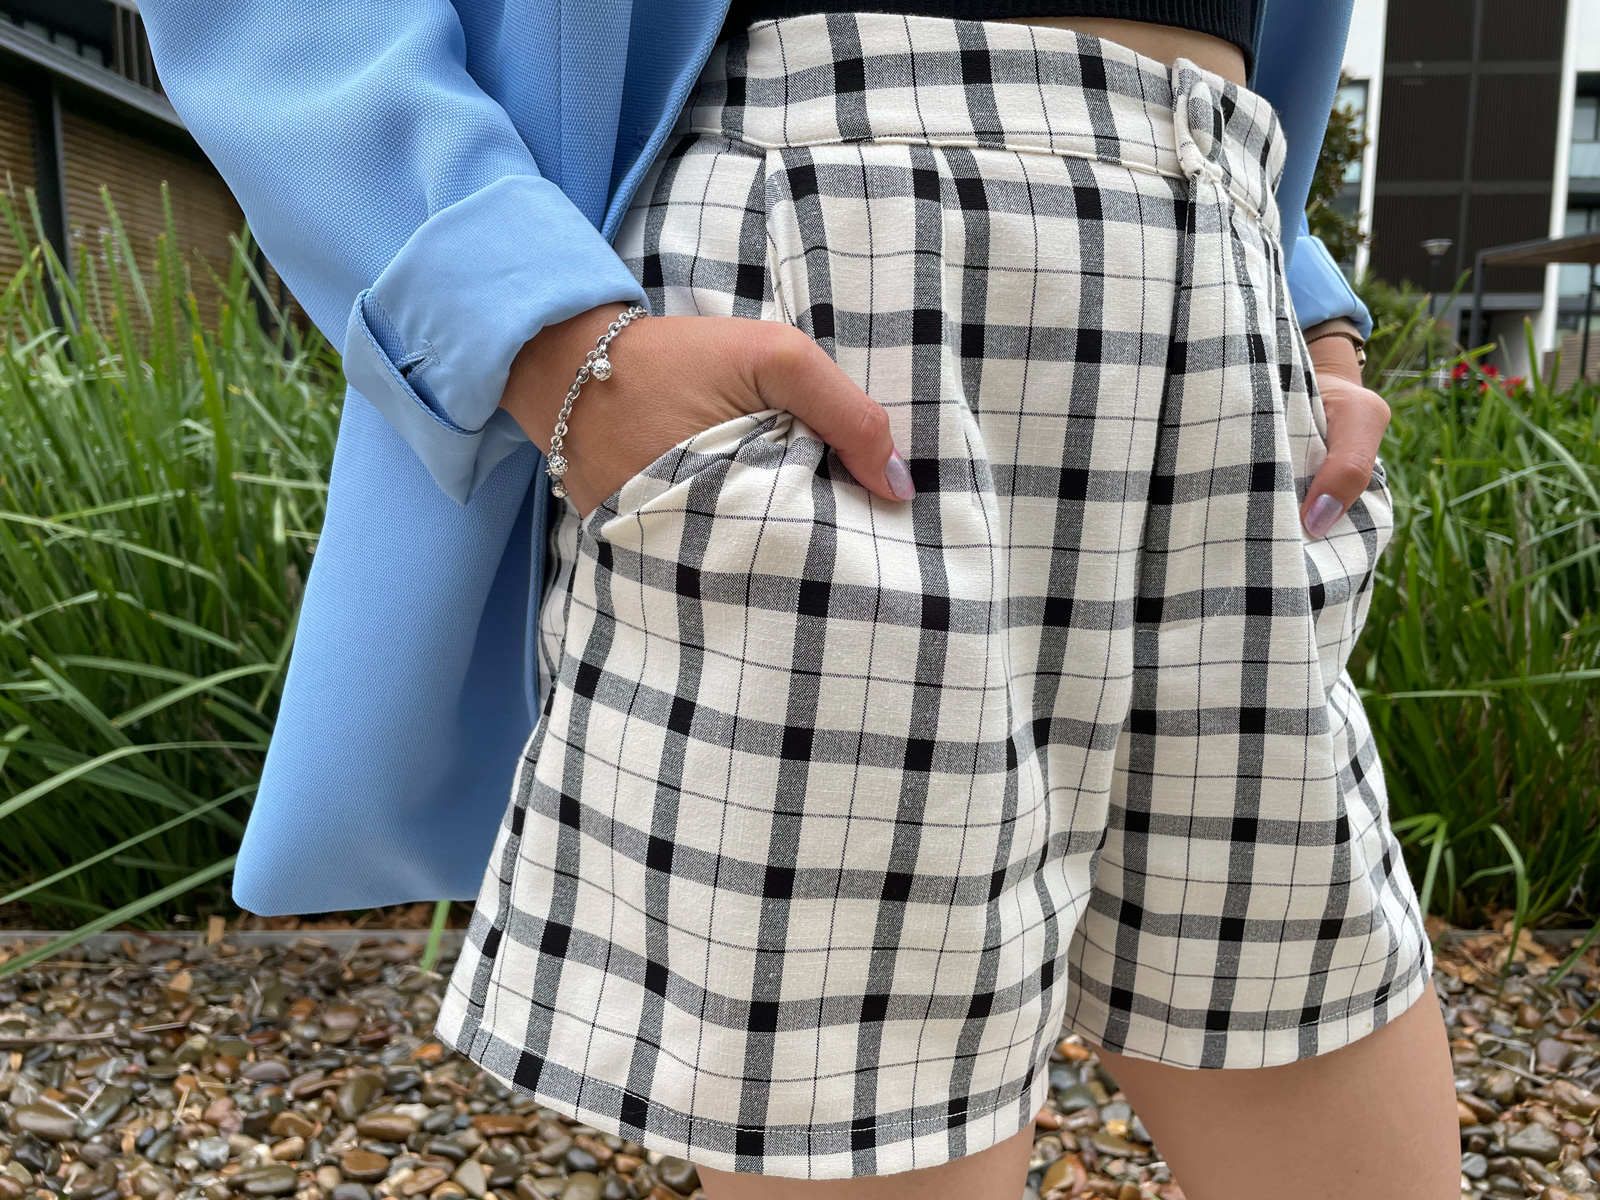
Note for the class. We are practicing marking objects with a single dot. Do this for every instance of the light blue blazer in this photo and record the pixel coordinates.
(436, 181)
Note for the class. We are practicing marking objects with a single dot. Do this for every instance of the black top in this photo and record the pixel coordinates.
(1231, 20)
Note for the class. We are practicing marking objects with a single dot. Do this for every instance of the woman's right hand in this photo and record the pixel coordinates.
(673, 377)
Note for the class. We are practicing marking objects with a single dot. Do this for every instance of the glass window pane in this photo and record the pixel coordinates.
(1586, 119)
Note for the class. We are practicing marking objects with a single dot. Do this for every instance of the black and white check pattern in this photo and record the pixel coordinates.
(838, 808)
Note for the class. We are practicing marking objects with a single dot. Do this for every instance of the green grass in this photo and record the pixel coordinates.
(162, 478)
(161, 486)
(1480, 663)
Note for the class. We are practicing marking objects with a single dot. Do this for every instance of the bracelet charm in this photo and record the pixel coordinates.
(596, 365)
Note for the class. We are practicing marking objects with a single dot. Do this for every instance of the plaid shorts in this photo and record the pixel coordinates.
(839, 809)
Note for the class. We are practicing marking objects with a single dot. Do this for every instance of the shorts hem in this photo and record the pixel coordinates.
(982, 1130)
(1252, 1049)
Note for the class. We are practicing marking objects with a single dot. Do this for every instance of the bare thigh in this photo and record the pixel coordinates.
(998, 1173)
(1375, 1119)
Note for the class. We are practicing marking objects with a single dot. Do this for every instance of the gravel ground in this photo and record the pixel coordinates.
(227, 1072)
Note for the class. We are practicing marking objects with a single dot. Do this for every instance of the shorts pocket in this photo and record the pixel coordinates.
(1341, 567)
(666, 481)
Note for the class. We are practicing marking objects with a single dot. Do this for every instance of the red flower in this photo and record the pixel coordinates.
(1492, 371)
(1460, 371)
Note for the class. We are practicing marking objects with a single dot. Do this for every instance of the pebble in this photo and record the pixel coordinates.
(677, 1174)
(1474, 1166)
(1500, 1085)
(1573, 1098)
(101, 1110)
(351, 1191)
(1074, 1097)
(268, 1070)
(1068, 1172)
(1553, 1053)
(1535, 1141)
(267, 1181)
(471, 1177)
(1576, 1177)
(582, 1186)
(388, 1126)
(292, 1124)
(363, 1165)
(499, 1124)
(1110, 1143)
(44, 1120)
(580, 1160)
(424, 1180)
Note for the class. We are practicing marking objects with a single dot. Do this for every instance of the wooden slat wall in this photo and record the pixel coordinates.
(203, 209)
(1571, 345)
(16, 161)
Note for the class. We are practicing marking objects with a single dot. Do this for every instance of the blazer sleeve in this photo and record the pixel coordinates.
(396, 200)
(1318, 287)
(1299, 53)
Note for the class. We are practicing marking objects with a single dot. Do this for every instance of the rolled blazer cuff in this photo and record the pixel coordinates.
(1319, 289)
(430, 343)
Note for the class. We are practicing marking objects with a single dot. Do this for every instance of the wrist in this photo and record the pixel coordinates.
(1337, 347)
(1332, 325)
(1336, 358)
(545, 367)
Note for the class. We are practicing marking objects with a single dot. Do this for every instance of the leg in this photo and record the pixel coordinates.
(998, 1173)
(1375, 1119)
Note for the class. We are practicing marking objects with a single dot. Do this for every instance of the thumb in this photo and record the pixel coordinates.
(1357, 418)
(796, 374)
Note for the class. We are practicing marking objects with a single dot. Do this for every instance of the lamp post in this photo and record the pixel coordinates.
(1436, 249)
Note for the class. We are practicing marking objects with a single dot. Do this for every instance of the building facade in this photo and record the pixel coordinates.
(1484, 125)
(81, 108)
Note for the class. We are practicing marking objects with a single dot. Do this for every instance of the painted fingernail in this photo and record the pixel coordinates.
(1325, 510)
(898, 476)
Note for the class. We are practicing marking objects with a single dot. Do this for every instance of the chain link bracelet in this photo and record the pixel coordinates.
(597, 365)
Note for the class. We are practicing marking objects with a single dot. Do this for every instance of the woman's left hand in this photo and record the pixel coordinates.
(1357, 417)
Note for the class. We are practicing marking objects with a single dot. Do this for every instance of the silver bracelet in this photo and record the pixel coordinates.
(599, 366)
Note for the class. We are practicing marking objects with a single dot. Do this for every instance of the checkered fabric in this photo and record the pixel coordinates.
(838, 809)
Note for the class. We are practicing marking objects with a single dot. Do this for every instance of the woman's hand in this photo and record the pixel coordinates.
(1357, 417)
(676, 376)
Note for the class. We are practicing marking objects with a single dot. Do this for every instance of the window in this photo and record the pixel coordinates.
(1350, 100)
(1585, 162)
(1575, 276)
(1353, 96)
(1586, 119)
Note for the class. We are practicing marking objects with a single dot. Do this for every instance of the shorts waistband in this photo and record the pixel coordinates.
(838, 77)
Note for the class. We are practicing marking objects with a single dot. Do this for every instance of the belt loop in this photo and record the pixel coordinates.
(1197, 121)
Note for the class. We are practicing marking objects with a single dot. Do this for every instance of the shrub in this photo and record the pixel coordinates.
(161, 487)
(1482, 649)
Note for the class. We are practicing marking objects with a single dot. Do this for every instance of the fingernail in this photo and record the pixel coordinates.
(1325, 510)
(898, 476)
